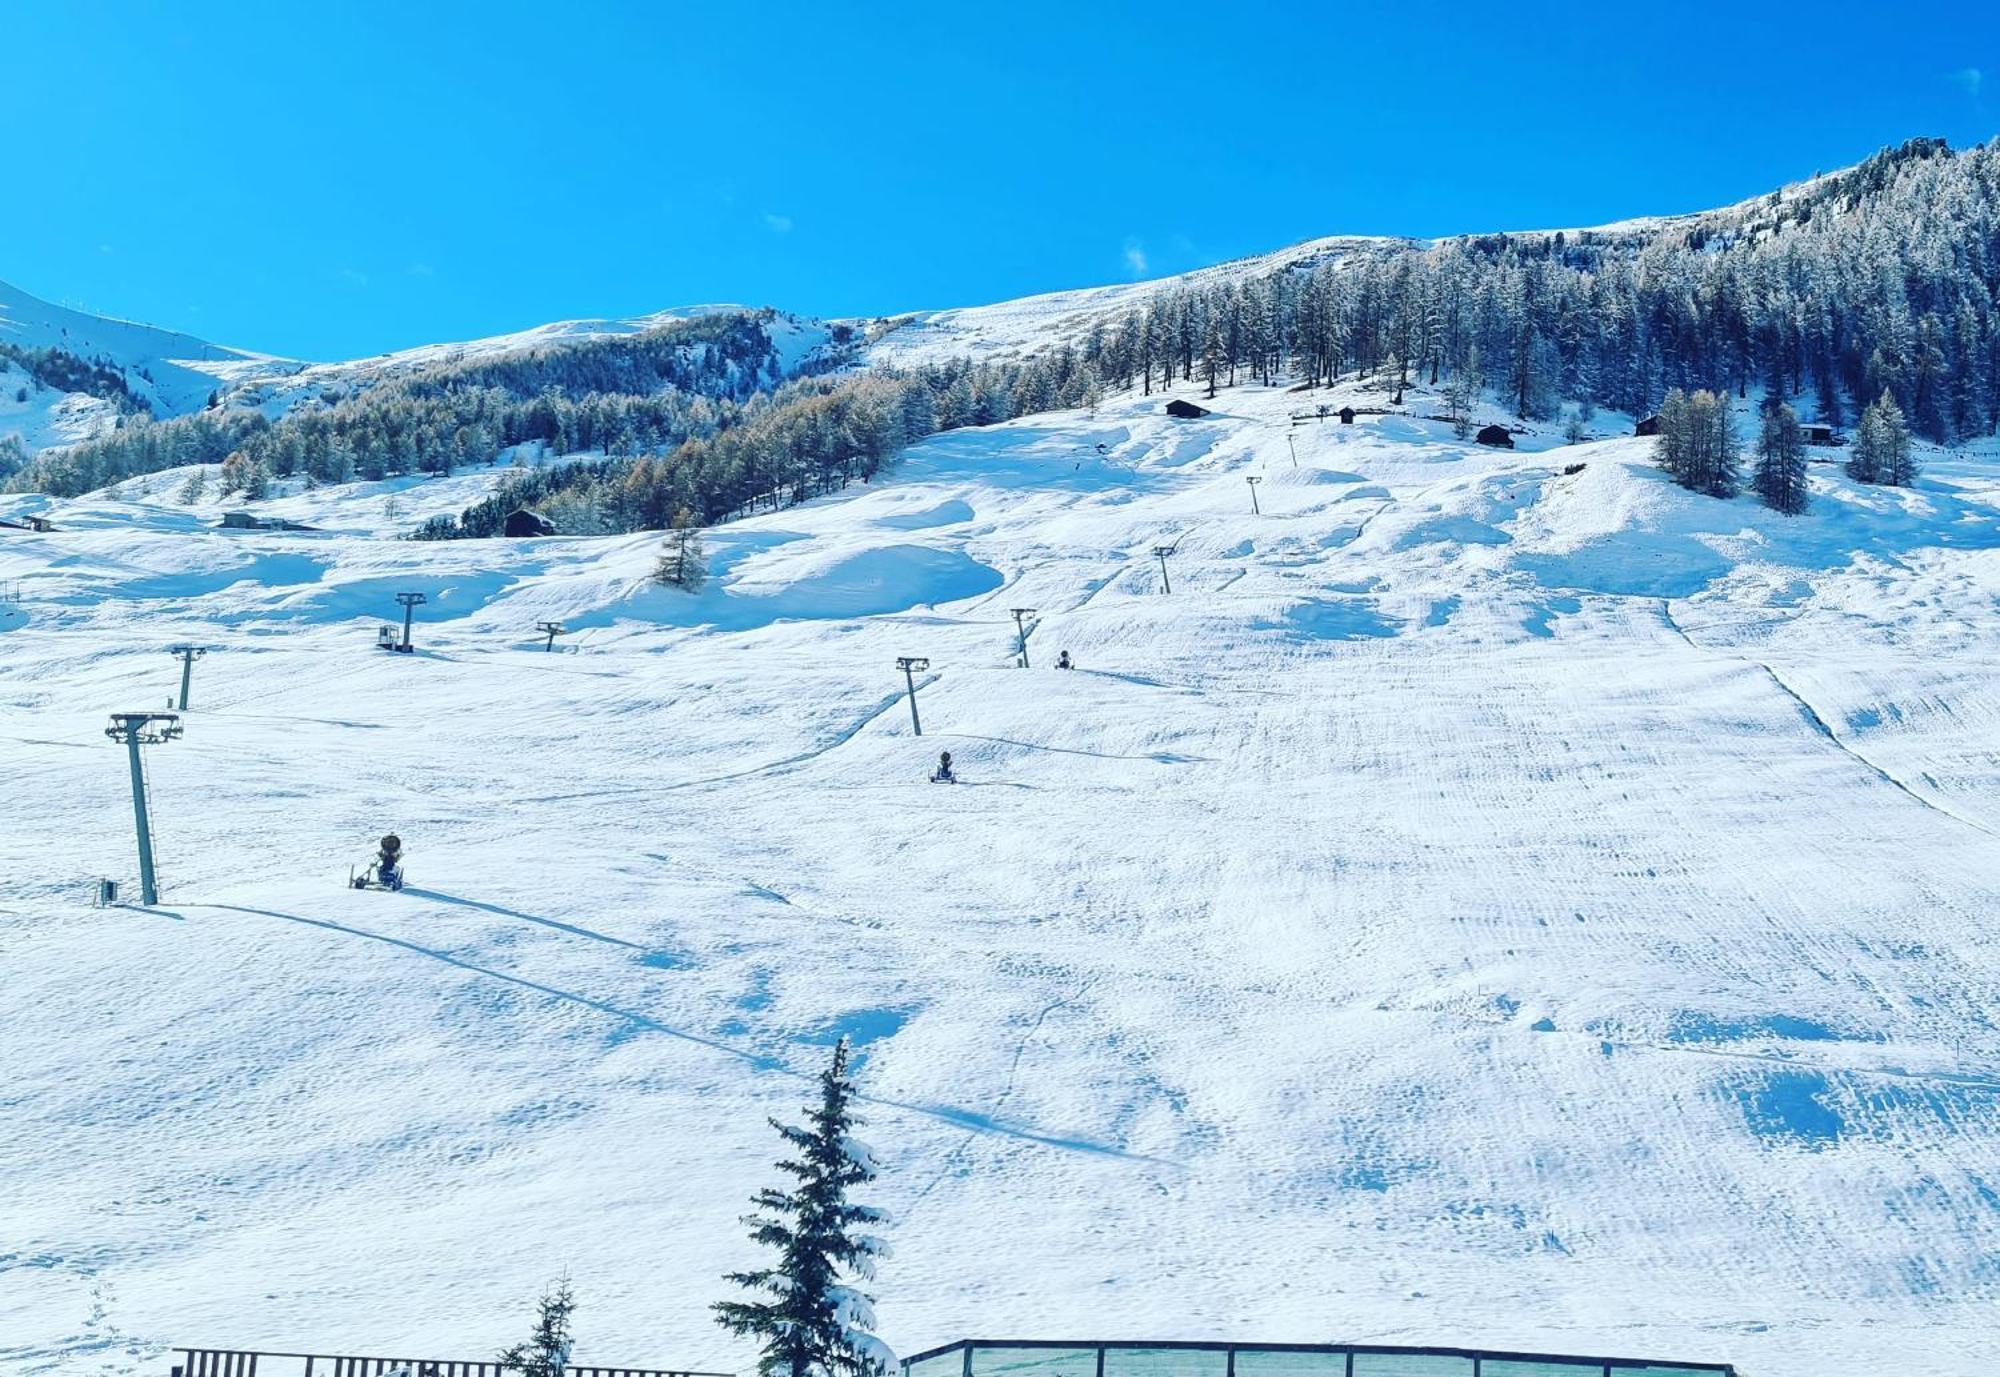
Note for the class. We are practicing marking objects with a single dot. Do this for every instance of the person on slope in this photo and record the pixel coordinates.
(943, 774)
(1063, 661)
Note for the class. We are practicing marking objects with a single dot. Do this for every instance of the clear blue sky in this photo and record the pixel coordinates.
(335, 180)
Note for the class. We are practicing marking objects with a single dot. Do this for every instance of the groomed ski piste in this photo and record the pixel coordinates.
(1479, 905)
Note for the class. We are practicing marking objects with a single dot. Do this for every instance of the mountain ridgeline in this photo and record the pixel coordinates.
(1882, 281)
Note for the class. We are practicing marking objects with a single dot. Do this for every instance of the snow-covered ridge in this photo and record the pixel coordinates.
(176, 372)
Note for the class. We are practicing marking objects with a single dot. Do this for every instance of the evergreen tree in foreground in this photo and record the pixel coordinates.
(546, 1352)
(809, 1322)
(1780, 478)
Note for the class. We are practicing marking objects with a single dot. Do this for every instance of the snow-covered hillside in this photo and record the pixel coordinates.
(174, 373)
(1479, 905)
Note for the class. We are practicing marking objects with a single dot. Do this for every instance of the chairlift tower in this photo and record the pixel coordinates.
(411, 602)
(910, 664)
(1295, 448)
(1253, 480)
(138, 729)
(1160, 552)
(1021, 626)
(189, 654)
(551, 630)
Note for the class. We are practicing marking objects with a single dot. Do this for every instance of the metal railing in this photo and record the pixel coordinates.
(242, 1362)
(961, 1359)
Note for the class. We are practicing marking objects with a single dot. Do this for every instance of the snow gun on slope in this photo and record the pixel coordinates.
(386, 870)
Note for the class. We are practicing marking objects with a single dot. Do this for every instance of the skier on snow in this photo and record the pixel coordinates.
(943, 774)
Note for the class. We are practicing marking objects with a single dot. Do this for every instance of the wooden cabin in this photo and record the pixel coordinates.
(1495, 436)
(522, 522)
(1648, 425)
(1347, 415)
(1187, 411)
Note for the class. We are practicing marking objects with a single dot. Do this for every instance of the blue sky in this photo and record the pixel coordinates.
(330, 181)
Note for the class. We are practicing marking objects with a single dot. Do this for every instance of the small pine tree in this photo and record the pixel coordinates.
(1461, 395)
(1573, 431)
(1898, 462)
(257, 483)
(546, 1351)
(812, 1325)
(1721, 472)
(1881, 450)
(1780, 477)
(1673, 449)
(191, 491)
(682, 564)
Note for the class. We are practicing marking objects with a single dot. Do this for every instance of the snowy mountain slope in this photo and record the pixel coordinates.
(1013, 329)
(169, 371)
(175, 373)
(172, 370)
(1479, 905)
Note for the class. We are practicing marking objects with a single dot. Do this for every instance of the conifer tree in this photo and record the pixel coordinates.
(1899, 465)
(682, 564)
(1881, 451)
(1720, 472)
(1672, 448)
(546, 1352)
(1780, 477)
(809, 1322)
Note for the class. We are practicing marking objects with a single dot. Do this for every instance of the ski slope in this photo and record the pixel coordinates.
(1478, 906)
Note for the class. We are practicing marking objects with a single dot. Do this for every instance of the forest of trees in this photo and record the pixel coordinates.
(623, 395)
(807, 437)
(1879, 282)
(1885, 278)
(66, 372)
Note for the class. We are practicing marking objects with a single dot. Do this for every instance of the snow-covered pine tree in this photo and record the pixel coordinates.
(1881, 452)
(1780, 477)
(1673, 449)
(546, 1352)
(810, 1323)
(1864, 456)
(1899, 464)
(1722, 459)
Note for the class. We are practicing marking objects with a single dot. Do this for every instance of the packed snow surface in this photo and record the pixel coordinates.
(1478, 905)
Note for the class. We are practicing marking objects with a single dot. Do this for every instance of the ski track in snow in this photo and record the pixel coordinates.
(1405, 931)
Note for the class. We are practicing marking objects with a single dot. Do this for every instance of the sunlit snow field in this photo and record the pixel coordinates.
(1478, 906)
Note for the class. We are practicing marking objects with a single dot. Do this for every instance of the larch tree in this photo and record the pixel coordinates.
(1780, 476)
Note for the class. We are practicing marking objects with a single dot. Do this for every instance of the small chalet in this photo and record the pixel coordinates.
(1648, 425)
(1347, 415)
(248, 521)
(1187, 411)
(1817, 434)
(38, 524)
(523, 522)
(1495, 436)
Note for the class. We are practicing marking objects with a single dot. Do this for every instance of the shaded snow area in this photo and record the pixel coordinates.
(1477, 906)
